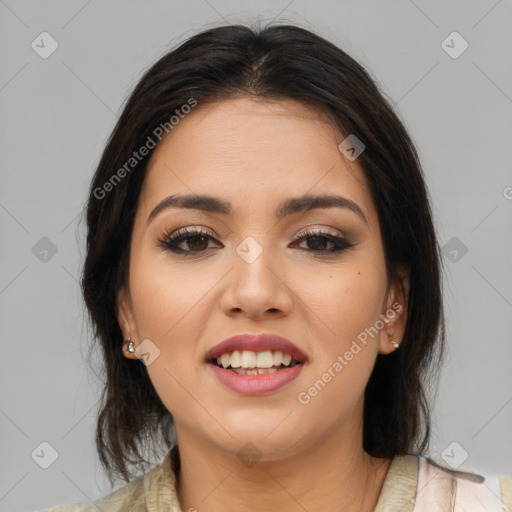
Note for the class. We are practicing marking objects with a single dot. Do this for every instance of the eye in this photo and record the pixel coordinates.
(196, 240)
(320, 238)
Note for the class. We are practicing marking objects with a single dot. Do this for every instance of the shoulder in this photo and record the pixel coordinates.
(129, 498)
(153, 491)
(467, 491)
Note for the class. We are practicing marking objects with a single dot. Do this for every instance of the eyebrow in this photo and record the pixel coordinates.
(287, 207)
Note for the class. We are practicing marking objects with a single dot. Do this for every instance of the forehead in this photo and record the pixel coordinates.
(250, 151)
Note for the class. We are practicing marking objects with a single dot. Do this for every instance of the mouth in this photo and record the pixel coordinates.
(255, 351)
(256, 364)
(248, 362)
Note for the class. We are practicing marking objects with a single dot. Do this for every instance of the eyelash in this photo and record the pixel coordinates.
(170, 241)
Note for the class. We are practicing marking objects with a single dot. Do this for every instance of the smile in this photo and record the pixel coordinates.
(255, 373)
(248, 362)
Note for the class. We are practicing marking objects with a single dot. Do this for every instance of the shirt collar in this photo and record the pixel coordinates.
(398, 490)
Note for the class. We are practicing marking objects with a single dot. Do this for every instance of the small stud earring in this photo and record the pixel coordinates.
(131, 348)
(395, 344)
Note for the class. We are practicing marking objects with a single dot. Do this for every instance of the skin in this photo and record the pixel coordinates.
(254, 154)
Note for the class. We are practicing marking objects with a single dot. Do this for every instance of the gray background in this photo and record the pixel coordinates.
(58, 112)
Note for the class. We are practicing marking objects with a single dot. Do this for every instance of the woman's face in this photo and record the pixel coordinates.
(254, 271)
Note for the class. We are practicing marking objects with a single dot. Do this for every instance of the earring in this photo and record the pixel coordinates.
(395, 344)
(131, 348)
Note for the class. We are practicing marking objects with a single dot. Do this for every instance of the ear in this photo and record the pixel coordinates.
(395, 314)
(126, 320)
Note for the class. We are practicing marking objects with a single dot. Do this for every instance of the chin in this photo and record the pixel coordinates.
(271, 440)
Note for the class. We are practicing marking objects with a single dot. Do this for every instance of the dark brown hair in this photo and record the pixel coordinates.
(274, 62)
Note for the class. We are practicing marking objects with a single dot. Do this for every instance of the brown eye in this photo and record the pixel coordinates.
(190, 242)
(187, 242)
(317, 241)
(197, 243)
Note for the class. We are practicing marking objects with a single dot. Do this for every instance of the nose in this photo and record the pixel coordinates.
(257, 286)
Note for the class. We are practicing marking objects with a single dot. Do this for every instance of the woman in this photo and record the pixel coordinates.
(260, 236)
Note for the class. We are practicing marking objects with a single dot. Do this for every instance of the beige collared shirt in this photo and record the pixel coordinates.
(413, 484)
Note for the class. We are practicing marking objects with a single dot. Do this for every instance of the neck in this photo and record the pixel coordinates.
(333, 475)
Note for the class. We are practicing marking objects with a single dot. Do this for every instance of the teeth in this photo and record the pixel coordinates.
(257, 371)
(247, 359)
(265, 359)
(267, 370)
(236, 359)
(225, 360)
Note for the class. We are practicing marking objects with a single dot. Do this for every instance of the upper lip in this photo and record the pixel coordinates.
(257, 343)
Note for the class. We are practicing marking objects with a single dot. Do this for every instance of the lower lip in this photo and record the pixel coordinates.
(256, 384)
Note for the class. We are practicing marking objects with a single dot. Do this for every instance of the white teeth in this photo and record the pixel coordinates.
(287, 359)
(254, 360)
(278, 357)
(236, 359)
(226, 360)
(265, 359)
(248, 359)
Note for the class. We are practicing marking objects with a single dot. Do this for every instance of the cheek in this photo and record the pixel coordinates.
(165, 296)
(164, 300)
(347, 303)
(350, 298)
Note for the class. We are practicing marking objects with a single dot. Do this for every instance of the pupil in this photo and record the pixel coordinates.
(194, 246)
(317, 239)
